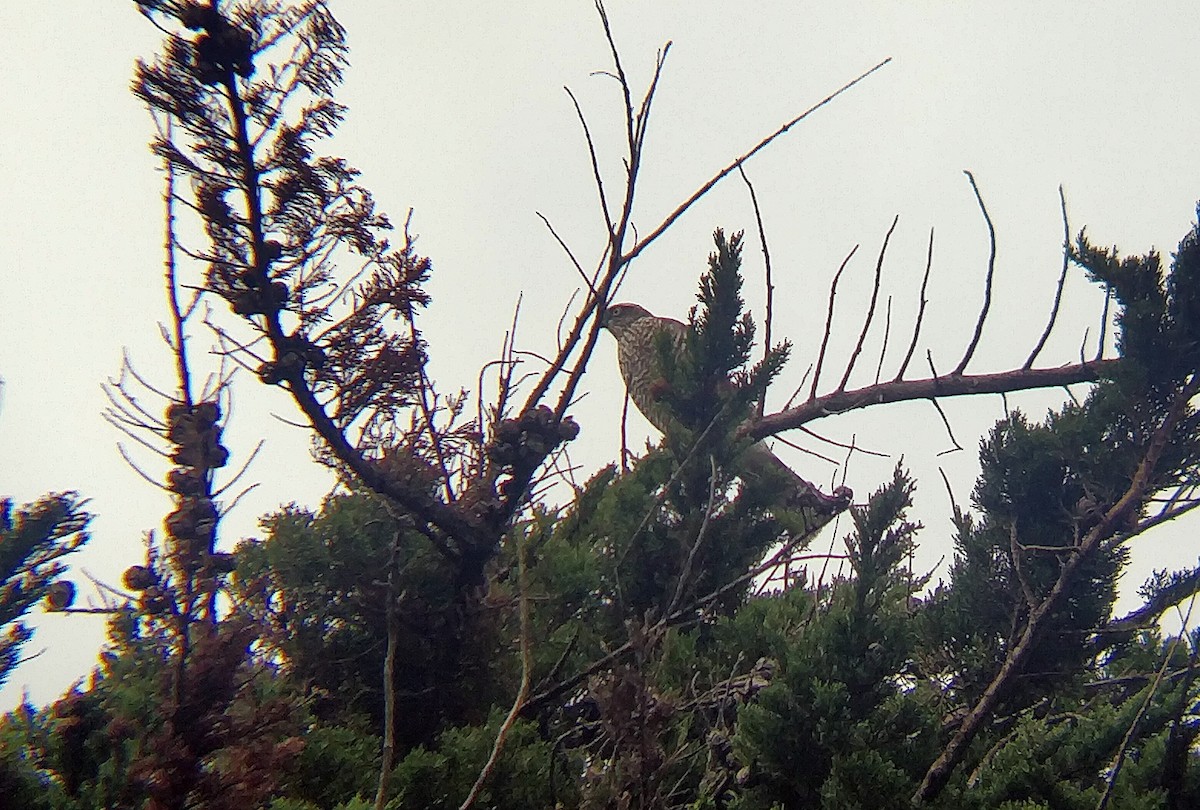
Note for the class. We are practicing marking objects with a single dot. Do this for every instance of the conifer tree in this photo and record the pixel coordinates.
(33, 540)
(437, 635)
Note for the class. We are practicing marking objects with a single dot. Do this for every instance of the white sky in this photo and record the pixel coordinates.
(457, 110)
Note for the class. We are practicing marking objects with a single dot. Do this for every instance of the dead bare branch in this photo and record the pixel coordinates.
(955, 446)
(806, 450)
(570, 255)
(1062, 279)
(770, 287)
(862, 336)
(912, 346)
(1103, 321)
(829, 323)
(949, 385)
(669, 220)
(987, 285)
(597, 176)
(887, 333)
(836, 443)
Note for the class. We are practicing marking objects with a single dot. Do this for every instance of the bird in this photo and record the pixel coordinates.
(639, 357)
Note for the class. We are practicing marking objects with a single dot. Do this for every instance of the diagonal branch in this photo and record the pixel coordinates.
(939, 772)
(596, 175)
(763, 144)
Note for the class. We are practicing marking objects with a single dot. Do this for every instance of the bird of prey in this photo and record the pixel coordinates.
(638, 355)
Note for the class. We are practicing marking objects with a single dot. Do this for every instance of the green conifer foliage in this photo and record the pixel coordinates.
(33, 540)
(843, 725)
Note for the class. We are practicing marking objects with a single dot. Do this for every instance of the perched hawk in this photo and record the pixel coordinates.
(636, 331)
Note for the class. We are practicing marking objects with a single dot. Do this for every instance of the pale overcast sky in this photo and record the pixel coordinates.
(457, 111)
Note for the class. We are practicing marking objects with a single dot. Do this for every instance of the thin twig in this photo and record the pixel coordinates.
(177, 319)
(1062, 280)
(127, 410)
(828, 323)
(887, 332)
(134, 466)
(435, 438)
(842, 445)
(704, 189)
(938, 406)
(624, 433)
(987, 285)
(643, 116)
(563, 318)
(237, 476)
(508, 366)
(232, 503)
(949, 430)
(912, 346)
(862, 337)
(127, 366)
(806, 450)
(1014, 549)
(1104, 321)
(596, 175)
(526, 675)
(574, 262)
(767, 320)
(686, 572)
(620, 74)
(799, 388)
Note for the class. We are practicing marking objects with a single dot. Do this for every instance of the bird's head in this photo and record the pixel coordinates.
(620, 317)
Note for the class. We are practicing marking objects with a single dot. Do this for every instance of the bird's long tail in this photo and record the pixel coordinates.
(760, 465)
